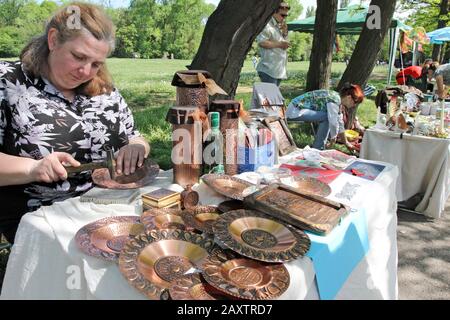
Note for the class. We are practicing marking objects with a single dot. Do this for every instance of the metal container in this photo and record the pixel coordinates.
(186, 158)
(190, 91)
(229, 125)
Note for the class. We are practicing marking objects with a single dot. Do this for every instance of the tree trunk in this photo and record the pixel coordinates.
(442, 23)
(319, 72)
(369, 45)
(228, 36)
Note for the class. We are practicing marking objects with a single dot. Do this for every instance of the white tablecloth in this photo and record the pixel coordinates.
(45, 262)
(423, 164)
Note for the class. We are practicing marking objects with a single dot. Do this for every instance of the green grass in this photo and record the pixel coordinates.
(145, 85)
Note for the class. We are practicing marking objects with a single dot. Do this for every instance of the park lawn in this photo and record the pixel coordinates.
(146, 86)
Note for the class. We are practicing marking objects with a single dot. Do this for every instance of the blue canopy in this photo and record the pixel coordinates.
(439, 36)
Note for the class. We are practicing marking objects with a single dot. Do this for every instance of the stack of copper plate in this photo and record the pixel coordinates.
(164, 218)
(201, 217)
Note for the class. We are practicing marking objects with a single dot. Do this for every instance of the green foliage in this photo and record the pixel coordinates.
(310, 12)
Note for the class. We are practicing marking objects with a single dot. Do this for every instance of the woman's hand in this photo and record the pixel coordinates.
(130, 157)
(50, 168)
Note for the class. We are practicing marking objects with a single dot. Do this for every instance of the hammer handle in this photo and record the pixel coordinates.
(86, 167)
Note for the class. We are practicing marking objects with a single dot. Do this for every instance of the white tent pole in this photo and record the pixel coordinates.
(415, 51)
(393, 35)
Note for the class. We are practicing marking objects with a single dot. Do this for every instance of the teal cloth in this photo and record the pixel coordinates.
(335, 255)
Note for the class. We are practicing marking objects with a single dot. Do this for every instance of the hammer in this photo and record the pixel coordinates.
(109, 163)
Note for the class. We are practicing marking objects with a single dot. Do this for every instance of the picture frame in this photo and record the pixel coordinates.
(282, 134)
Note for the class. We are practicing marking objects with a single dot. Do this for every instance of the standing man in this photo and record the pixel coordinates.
(273, 45)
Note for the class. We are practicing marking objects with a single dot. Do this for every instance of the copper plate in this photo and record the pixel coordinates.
(141, 177)
(245, 278)
(201, 217)
(153, 260)
(312, 186)
(230, 205)
(164, 218)
(228, 186)
(258, 236)
(105, 238)
(194, 287)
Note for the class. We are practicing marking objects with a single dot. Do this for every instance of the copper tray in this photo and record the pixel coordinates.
(228, 186)
(312, 186)
(245, 278)
(141, 177)
(194, 287)
(230, 205)
(153, 260)
(164, 218)
(106, 237)
(258, 236)
(201, 217)
(300, 209)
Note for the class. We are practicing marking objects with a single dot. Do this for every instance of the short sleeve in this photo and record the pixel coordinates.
(126, 118)
(265, 34)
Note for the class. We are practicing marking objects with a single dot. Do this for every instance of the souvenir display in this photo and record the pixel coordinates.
(152, 261)
(164, 218)
(306, 211)
(194, 287)
(245, 278)
(311, 185)
(141, 177)
(106, 237)
(228, 186)
(201, 217)
(258, 236)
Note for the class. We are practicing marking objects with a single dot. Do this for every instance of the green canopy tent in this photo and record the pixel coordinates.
(351, 20)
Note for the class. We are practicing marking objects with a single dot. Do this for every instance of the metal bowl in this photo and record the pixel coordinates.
(245, 278)
(258, 236)
(105, 238)
(201, 217)
(312, 186)
(228, 186)
(194, 287)
(153, 260)
(164, 218)
(141, 177)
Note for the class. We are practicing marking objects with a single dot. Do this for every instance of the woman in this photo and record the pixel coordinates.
(58, 108)
(328, 109)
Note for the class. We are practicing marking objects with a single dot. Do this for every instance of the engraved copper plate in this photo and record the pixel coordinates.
(311, 185)
(304, 210)
(164, 218)
(105, 238)
(258, 236)
(230, 205)
(228, 186)
(141, 177)
(201, 217)
(194, 287)
(152, 260)
(245, 278)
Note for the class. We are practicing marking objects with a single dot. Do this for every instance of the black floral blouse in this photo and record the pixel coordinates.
(36, 120)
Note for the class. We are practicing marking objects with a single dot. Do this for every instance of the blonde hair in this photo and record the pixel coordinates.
(72, 21)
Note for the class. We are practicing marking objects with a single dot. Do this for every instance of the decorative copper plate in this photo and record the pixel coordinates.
(312, 186)
(105, 238)
(228, 186)
(194, 287)
(258, 236)
(141, 177)
(153, 260)
(164, 218)
(230, 205)
(201, 217)
(245, 278)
